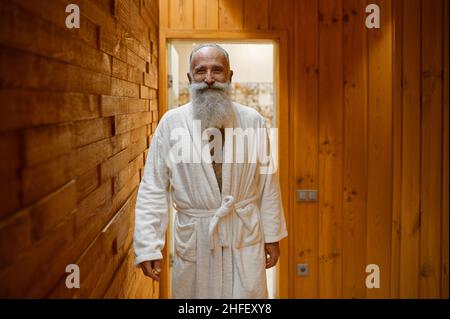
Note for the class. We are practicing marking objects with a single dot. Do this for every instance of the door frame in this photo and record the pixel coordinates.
(280, 39)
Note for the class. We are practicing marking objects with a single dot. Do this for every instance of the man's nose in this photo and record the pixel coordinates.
(209, 79)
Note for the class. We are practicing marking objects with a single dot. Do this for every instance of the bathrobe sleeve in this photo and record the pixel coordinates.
(151, 212)
(271, 206)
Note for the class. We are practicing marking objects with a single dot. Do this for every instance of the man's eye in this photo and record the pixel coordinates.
(199, 71)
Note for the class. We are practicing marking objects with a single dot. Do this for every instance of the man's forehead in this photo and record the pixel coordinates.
(209, 55)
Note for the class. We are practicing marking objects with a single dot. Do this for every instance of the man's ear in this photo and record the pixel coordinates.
(189, 77)
(231, 75)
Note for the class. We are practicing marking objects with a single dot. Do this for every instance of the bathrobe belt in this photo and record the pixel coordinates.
(227, 206)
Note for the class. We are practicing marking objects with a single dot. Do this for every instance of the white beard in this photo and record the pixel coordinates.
(213, 106)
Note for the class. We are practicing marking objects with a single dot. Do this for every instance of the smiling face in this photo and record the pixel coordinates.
(209, 65)
(209, 79)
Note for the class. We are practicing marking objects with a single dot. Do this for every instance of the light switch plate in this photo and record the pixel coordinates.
(306, 195)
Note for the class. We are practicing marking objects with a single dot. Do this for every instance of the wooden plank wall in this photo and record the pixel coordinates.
(78, 109)
(369, 122)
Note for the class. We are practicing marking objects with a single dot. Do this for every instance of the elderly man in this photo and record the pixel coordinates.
(229, 216)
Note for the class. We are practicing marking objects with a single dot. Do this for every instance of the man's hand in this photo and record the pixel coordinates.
(272, 254)
(151, 268)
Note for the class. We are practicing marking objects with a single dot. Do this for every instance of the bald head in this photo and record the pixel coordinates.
(209, 63)
(208, 45)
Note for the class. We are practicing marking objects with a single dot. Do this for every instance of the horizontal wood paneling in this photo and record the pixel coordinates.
(78, 112)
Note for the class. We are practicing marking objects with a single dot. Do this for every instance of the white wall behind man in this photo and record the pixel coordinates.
(250, 62)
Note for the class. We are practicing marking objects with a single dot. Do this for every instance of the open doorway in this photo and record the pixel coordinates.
(253, 85)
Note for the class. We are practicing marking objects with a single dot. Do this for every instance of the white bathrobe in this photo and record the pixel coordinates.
(219, 238)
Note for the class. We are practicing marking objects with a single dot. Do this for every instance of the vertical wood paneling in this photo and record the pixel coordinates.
(410, 189)
(256, 15)
(164, 14)
(283, 113)
(431, 175)
(181, 14)
(445, 159)
(231, 14)
(397, 16)
(379, 175)
(206, 14)
(283, 58)
(305, 129)
(280, 14)
(355, 150)
(330, 148)
(361, 121)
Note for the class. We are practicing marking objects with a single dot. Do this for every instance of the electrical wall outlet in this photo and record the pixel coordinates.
(303, 270)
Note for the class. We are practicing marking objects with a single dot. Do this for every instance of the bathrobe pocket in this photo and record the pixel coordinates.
(185, 239)
(247, 226)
